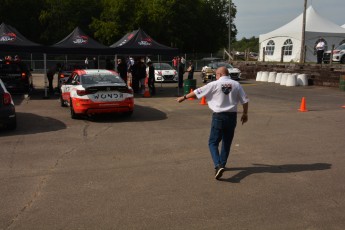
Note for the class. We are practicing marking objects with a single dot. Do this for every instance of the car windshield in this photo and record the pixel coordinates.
(162, 66)
(215, 65)
(341, 47)
(100, 79)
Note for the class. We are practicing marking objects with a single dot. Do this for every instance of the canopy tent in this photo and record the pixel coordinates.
(289, 36)
(343, 26)
(12, 40)
(78, 42)
(138, 42)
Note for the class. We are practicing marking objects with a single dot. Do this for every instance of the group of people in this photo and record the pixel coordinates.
(94, 63)
(9, 58)
(138, 71)
(134, 67)
(181, 67)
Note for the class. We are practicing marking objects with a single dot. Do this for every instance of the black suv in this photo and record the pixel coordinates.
(16, 76)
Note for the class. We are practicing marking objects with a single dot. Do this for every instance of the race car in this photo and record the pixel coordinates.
(95, 91)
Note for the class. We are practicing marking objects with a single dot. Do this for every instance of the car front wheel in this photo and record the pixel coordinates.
(62, 102)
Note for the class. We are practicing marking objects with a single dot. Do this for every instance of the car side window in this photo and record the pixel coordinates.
(71, 80)
(76, 79)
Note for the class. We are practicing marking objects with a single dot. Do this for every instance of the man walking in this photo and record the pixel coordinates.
(222, 97)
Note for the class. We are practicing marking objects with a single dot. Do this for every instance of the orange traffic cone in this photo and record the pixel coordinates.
(147, 91)
(303, 107)
(203, 101)
(191, 98)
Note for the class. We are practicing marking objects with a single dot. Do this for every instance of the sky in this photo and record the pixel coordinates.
(255, 17)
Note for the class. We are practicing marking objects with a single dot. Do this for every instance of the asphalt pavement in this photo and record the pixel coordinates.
(154, 171)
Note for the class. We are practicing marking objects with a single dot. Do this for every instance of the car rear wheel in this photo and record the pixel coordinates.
(73, 114)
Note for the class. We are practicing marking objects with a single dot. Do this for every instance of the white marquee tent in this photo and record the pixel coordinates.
(289, 36)
(343, 26)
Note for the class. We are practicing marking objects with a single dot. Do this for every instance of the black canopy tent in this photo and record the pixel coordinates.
(78, 42)
(138, 42)
(13, 41)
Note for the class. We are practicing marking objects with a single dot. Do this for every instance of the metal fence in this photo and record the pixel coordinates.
(36, 61)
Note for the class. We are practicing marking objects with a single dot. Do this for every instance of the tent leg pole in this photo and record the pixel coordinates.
(45, 76)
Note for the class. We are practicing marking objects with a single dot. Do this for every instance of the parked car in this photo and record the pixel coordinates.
(90, 92)
(8, 117)
(209, 71)
(16, 76)
(65, 71)
(338, 55)
(165, 73)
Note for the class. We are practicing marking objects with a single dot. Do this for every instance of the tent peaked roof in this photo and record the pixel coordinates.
(314, 23)
(80, 43)
(138, 42)
(11, 39)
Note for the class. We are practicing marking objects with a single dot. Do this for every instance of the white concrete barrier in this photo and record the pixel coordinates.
(291, 79)
(264, 76)
(284, 78)
(258, 76)
(302, 79)
(272, 77)
(278, 78)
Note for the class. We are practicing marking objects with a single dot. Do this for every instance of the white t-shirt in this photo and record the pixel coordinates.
(320, 46)
(222, 95)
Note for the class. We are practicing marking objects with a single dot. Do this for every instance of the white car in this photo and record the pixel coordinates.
(338, 55)
(165, 73)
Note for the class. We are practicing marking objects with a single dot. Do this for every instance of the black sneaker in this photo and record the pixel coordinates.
(219, 172)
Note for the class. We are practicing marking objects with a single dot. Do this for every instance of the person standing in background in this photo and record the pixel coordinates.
(122, 69)
(151, 80)
(190, 70)
(320, 49)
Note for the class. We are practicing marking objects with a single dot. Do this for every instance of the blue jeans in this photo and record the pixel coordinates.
(222, 129)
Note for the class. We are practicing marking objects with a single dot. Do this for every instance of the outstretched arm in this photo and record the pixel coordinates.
(190, 95)
(244, 117)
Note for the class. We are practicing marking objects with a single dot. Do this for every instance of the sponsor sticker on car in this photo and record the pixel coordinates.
(107, 96)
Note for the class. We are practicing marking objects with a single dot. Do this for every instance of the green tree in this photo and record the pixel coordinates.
(191, 25)
(59, 18)
(247, 43)
(23, 16)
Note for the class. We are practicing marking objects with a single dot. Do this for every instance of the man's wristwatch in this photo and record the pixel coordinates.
(184, 97)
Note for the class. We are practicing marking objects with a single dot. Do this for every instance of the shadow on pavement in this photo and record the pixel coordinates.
(141, 113)
(28, 123)
(262, 168)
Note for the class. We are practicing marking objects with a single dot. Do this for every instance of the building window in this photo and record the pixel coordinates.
(270, 47)
(287, 50)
